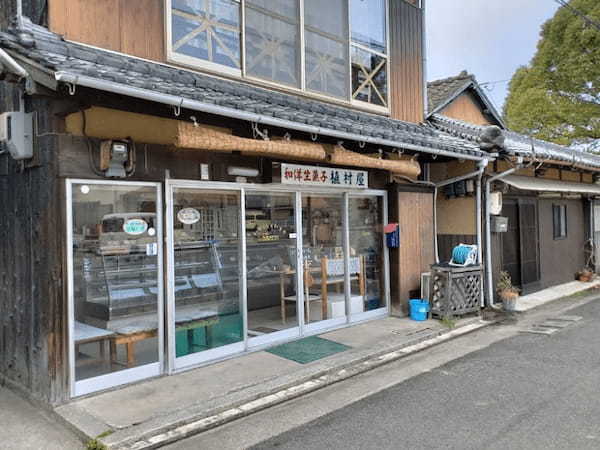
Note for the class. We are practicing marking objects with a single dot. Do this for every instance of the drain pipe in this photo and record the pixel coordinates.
(488, 231)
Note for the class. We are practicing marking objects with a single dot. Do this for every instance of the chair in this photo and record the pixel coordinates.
(308, 297)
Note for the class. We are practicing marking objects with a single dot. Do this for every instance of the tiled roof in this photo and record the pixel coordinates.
(442, 92)
(55, 56)
(517, 144)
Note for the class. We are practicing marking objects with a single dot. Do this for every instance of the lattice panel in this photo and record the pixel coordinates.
(454, 292)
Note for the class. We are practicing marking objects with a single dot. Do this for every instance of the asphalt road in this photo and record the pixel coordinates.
(528, 391)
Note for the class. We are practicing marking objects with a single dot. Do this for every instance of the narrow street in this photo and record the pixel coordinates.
(495, 389)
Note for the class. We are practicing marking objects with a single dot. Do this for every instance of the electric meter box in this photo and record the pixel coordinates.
(499, 224)
(16, 134)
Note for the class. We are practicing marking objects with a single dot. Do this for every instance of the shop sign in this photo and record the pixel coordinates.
(188, 216)
(323, 176)
(135, 227)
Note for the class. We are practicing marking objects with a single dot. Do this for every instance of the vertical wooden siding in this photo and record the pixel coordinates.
(406, 61)
(134, 27)
(466, 108)
(414, 213)
(32, 298)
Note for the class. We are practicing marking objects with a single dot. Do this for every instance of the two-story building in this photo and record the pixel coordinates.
(186, 180)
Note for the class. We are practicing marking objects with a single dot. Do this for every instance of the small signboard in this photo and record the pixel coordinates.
(323, 176)
(135, 227)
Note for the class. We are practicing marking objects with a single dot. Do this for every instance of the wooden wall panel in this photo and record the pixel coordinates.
(414, 213)
(142, 25)
(466, 108)
(406, 61)
(33, 314)
(134, 27)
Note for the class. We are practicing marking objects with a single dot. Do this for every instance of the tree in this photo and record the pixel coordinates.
(557, 96)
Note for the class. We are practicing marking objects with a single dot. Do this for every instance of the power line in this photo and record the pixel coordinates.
(585, 18)
(487, 83)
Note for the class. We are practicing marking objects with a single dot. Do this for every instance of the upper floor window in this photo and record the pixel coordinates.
(336, 48)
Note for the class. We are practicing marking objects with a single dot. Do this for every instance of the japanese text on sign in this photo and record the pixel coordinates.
(323, 176)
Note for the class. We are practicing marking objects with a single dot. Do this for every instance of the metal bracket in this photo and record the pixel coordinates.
(258, 133)
(177, 108)
(71, 87)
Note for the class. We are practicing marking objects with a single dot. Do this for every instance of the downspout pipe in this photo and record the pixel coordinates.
(488, 232)
(181, 102)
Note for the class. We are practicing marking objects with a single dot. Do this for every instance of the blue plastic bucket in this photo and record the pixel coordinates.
(418, 309)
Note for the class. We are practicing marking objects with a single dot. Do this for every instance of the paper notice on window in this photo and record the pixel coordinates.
(152, 249)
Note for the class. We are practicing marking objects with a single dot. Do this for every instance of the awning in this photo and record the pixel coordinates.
(545, 185)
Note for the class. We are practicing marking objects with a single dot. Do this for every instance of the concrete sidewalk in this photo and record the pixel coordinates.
(163, 410)
(24, 426)
(539, 298)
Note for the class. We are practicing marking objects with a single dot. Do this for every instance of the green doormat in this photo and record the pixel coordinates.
(308, 349)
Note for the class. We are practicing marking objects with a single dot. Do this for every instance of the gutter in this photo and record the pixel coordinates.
(181, 102)
(7, 62)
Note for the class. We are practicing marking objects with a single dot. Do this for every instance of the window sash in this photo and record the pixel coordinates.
(239, 69)
(559, 221)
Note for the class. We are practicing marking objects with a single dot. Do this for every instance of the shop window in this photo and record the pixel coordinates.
(559, 216)
(344, 48)
(116, 288)
(366, 248)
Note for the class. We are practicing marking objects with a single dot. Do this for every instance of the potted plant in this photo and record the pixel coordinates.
(585, 275)
(507, 292)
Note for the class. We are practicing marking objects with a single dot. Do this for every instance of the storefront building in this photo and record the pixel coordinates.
(232, 256)
(175, 218)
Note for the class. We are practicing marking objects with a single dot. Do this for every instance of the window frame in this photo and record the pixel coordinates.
(241, 74)
(559, 219)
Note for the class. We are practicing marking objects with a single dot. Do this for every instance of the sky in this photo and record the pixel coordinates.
(488, 38)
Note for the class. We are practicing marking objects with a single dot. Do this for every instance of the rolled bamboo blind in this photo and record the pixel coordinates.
(194, 137)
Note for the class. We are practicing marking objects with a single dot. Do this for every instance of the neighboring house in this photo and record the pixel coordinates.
(193, 168)
(549, 200)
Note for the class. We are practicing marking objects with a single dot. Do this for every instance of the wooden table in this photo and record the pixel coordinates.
(86, 334)
(129, 331)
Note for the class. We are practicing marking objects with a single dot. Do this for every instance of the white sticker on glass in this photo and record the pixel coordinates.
(188, 216)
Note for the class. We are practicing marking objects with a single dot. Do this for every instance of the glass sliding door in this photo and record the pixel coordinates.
(323, 257)
(367, 253)
(271, 255)
(205, 286)
(115, 283)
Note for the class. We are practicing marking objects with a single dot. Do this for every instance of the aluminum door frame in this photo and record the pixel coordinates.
(125, 376)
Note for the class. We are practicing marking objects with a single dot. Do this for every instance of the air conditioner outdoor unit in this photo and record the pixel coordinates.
(425, 277)
(16, 134)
